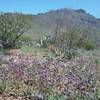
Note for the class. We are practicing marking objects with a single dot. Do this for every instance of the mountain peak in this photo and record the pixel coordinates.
(81, 10)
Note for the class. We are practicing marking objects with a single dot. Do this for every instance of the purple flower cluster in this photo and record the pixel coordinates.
(70, 78)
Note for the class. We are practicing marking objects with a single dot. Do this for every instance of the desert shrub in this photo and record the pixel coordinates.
(1, 49)
(25, 40)
(88, 44)
(12, 26)
(2, 87)
(70, 54)
(74, 39)
(54, 97)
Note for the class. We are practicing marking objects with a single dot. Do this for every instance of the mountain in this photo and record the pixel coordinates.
(45, 23)
(63, 20)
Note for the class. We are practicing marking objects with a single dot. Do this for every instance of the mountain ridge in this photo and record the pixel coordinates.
(46, 22)
(66, 18)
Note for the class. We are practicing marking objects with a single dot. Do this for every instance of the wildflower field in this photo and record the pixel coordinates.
(30, 77)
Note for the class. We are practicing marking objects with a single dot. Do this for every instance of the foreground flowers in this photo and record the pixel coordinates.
(30, 77)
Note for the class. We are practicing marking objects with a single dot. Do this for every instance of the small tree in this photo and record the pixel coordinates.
(12, 27)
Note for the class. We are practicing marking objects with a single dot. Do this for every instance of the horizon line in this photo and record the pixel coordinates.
(43, 12)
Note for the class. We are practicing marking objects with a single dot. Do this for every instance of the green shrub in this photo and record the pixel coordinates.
(54, 97)
(70, 54)
(75, 38)
(25, 38)
(2, 87)
(12, 27)
(88, 44)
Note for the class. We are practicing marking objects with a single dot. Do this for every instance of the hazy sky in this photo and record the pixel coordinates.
(38, 6)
